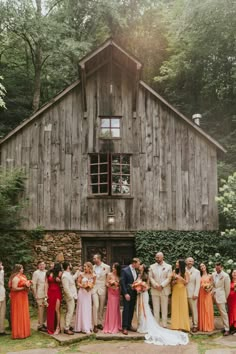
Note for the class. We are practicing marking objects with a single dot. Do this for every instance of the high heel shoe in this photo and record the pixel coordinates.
(57, 331)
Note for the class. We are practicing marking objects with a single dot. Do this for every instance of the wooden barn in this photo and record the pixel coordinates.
(109, 156)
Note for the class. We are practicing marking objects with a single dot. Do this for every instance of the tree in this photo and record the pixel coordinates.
(2, 94)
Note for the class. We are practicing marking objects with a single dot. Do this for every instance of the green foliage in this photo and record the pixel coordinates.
(37, 233)
(202, 246)
(227, 202)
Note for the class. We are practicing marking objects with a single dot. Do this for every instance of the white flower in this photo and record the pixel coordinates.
(210, 263)
(230, 261)
(222, 233)
(228, 271)
(225, 209)
(217, 255)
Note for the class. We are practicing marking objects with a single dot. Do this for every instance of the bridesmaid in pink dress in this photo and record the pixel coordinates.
(113, 318)
(83, 318)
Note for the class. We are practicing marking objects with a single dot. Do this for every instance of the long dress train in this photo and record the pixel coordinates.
(54, 294)
(113, 318)
(156, 334)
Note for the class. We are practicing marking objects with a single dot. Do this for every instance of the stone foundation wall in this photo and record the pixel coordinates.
(58, 246)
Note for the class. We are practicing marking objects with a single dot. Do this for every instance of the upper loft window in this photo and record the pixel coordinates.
(110, 127)
(110, 174)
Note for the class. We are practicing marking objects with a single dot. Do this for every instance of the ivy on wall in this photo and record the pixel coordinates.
(203, 246)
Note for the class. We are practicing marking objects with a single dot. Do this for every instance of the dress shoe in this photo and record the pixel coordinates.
(95, 329)
(226, 333)
(100, 326)
(124, 331)
(4, 334)
(68, 331)
(42, 329)
(71, 329)
(132, 329)
(194, 329)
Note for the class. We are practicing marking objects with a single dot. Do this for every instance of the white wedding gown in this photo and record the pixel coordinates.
(156, 334)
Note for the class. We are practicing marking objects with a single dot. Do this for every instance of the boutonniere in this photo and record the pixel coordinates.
(221, 278)
(163, 269)
(104, 269)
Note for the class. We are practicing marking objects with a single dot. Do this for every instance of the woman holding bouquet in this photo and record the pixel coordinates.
(113, 318)
(232, 303)
(19, 288)
(205, 302)
(83, 318)
(155, 334)
(179, 301)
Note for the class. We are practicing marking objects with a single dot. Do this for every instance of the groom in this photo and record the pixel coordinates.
(128, 276)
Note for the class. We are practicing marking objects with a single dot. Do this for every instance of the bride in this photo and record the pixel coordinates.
(154, 334)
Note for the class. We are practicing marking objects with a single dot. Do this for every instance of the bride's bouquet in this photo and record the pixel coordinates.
(140, 286)
(87, 285)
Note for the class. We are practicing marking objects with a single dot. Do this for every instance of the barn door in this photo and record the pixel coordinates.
(121, 251)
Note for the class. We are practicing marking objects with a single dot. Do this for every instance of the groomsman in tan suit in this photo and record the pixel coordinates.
(70, 295)
(38, 280)
(160, 276)
(193, 288)
(2, 301)
(221, 290)
(99, 291)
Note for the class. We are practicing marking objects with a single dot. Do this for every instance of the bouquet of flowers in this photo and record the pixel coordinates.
(28, 284)
(45, 302)
(113, 283)
(207, 287)
(140, 286)
(87, 285)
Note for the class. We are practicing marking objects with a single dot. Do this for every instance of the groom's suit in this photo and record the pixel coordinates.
(70, 294)
(127, 279)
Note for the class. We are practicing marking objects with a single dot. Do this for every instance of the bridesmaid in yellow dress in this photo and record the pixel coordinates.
(205, 302)
(179, 301)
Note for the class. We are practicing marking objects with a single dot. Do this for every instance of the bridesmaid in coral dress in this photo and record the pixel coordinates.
(179, 301)
(113, 318)
(205, 302)
(54, 295)
(20, 318)
(232, 303)
(83, 318)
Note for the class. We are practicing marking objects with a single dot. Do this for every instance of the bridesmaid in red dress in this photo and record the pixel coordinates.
(113, 318)
(205, 302)
(232, 303)
(54, 296)
(20, 317)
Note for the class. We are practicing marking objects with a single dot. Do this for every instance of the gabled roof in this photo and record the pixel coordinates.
(110, 43)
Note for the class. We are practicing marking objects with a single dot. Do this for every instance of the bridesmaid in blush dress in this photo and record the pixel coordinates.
(205, 302)
(83, 318)
(54, 295)
(113, 318)
(232, 303)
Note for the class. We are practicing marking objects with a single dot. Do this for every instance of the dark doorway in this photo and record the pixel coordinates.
(121, 251)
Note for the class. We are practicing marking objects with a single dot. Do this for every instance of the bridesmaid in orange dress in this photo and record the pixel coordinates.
(205, 302)
(20, 317)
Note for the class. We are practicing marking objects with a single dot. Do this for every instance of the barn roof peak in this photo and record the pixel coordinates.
(107, 51)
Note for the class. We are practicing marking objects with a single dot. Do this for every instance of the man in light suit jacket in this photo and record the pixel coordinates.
(2, 301)
(70, 294)
(99, 291)
(160, 276)
(38, 280)
(221, 290)
(193, 288)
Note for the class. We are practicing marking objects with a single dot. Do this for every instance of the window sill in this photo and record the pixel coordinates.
(110, 197)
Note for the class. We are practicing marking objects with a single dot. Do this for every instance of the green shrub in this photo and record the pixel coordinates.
(203, 246)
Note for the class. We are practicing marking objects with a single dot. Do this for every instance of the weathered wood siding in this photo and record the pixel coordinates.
(174, 176)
